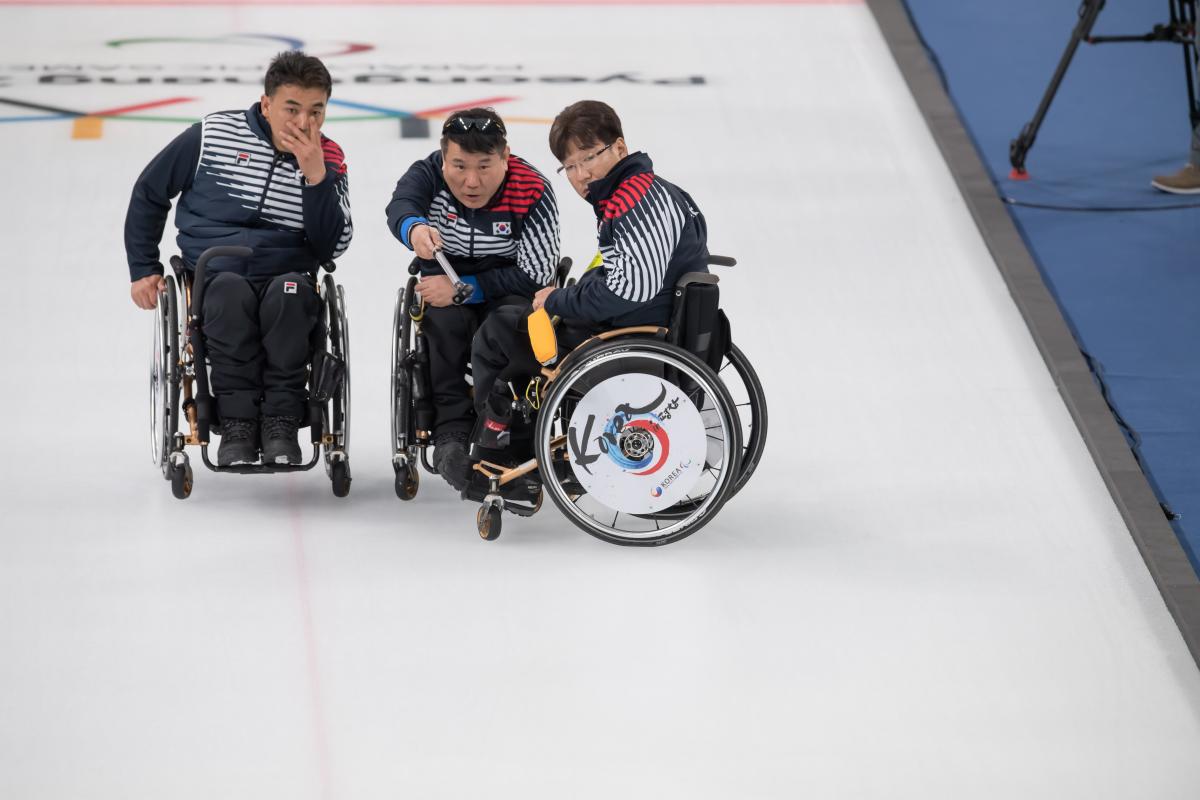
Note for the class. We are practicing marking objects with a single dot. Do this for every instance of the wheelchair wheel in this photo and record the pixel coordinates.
(739, 377)
(623, 438)
(337, 411)
(404, 448)
(488, 522)
(181, 480)
(339, 475)
(164, 378)
(408, 480)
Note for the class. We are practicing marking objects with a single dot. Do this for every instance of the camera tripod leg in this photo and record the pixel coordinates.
(1183, 20)
(1019, 147)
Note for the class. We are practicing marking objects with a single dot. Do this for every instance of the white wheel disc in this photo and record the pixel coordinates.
(637, 443)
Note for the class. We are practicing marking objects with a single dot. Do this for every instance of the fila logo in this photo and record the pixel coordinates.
(243, 159)
(501, 228)
(451, 217)
(289, 287)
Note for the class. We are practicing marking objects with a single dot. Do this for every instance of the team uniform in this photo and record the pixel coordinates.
(237, 189)
(508, 249)
(650, 233)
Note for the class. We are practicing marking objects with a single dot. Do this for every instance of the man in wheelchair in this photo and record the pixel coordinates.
(496, 219)
(264, 178)
(650, 233)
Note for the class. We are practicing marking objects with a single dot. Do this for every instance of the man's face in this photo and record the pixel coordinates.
(582, 165)
(473, 177)
(305, 107)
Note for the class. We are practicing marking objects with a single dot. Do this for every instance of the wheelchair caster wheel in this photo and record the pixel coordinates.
(408, 480)
(487, 519)
(181, 481)
(339, 475)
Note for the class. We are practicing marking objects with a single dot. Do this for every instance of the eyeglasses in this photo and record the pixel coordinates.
(584, 162)
(464, 124)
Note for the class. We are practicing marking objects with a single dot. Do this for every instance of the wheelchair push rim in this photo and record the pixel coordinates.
(403, 446)
(164, 377)
(620, 505)
(337, 408)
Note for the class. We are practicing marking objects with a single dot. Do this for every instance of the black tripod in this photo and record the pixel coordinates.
(1180, 30)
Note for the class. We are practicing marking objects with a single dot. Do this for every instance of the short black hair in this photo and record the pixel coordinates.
(586, 124)
(463, 128)
(294, 68)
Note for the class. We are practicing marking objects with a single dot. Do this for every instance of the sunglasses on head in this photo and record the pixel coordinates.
(465, 124)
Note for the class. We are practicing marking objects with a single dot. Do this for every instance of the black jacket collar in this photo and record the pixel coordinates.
(632, 164)
(262, 129)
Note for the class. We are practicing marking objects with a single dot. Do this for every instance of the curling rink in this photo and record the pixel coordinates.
(925, 591)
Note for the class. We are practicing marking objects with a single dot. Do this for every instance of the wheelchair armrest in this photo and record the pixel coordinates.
(721, 261)
(696, 277)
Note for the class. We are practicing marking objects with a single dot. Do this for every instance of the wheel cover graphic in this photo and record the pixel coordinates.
(637, 443)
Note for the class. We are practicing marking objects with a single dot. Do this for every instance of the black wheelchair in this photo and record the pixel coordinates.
(179, 368)
(639, 435)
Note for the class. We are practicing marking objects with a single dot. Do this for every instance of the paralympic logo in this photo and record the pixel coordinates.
(245, 40)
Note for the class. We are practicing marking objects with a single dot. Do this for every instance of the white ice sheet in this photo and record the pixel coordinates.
(924, 592)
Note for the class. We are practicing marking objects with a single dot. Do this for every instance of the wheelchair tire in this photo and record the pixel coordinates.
(402, 379)
(181, 481)
(165, 378)
(339, 477)
(752, 411)
(488, 521)
(337, 409)
(719, 444)
(408, 481)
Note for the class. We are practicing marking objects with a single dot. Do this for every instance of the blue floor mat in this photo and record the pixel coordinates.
(1120, 257)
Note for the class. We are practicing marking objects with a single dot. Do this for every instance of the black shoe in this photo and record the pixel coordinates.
(492, 429)
(450, 459)
(239, 442)
(280, 443)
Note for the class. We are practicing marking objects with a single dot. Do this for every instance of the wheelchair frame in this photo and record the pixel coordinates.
(179, 347)
(745, 441)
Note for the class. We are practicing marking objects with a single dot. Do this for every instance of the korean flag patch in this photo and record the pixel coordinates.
(501, 228)
(289, 287)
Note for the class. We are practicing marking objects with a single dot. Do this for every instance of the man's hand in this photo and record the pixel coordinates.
(145, 291)
(424, 240)
(306, 147)
(437, 290)
(539, 299)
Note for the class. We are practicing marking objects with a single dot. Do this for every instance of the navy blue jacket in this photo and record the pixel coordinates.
(237, 189)
(650, 234)
(508, 247)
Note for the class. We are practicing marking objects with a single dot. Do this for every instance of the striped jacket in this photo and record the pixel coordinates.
(508, 247)
(650, 233)
(237, 189)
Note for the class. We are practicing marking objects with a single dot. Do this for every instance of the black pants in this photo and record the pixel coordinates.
(448, 332)
(258, 336)
(501, 350)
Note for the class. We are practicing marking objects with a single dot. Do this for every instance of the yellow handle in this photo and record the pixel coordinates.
(542, 337)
